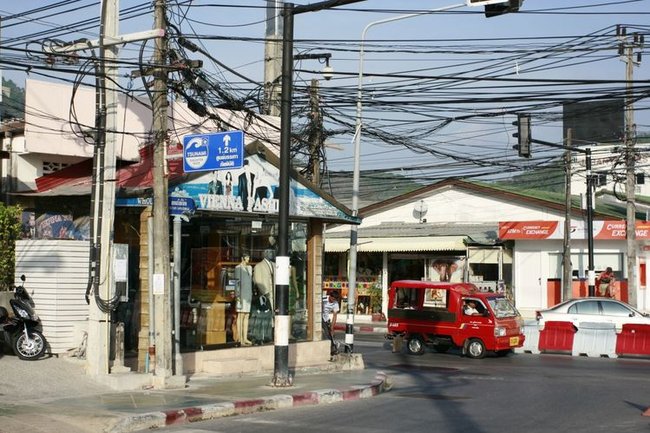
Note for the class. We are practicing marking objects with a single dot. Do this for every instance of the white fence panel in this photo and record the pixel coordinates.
(531, 332)
(56, 273)
(595, 339)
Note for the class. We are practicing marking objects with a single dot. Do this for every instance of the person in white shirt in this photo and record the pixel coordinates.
(331, 309)
(470, 308)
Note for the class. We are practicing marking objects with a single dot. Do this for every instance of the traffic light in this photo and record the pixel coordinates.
(523, 134)
(495, 9)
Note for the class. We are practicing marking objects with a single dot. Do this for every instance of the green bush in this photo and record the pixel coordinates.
(10, 225)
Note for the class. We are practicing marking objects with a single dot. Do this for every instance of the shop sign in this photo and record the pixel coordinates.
(181, 205)
(253, 188)
(602, 230)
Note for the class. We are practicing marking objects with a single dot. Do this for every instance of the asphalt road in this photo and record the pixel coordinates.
(447, 393)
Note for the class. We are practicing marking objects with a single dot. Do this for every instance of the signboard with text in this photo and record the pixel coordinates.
(217, 151)
(603, 230)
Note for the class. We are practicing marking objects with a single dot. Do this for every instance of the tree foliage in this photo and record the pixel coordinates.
(13, 101)
(10, 226)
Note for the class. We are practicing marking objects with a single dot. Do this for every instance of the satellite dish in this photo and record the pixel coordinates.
(420, 210)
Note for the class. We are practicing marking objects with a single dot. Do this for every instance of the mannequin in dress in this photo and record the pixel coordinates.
(244, 276)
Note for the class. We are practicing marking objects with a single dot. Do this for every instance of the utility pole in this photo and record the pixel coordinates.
(316, 135)
(161, 263)
(281, 376)
(567, 271)
(273, 57)
(105, 162)
(626, 51)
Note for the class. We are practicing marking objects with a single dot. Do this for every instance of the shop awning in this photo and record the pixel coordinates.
(398, 244)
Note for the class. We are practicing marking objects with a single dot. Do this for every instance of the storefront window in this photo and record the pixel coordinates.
(580, 263)
(368, 276)
(229, 291)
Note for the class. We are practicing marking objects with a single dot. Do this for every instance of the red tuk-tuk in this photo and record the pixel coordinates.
(438, 315)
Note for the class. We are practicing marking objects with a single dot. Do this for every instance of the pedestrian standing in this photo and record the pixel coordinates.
(606, 283)
(331, 309)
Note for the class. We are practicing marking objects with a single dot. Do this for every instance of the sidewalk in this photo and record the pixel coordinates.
(362, 324)
(54, 394)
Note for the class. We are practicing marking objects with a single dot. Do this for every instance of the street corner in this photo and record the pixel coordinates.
(383, 381)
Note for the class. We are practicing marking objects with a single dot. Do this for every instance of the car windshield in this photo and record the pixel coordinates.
(502, 307)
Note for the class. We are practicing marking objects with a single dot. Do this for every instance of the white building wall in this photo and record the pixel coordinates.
(457, 206)
(609, 164)
(531, 258)
(51, 135)
(532, 268)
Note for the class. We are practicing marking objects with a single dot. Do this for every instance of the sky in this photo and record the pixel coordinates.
(446, 84)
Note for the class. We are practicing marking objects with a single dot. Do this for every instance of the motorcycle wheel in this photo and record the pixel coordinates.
(30, 348)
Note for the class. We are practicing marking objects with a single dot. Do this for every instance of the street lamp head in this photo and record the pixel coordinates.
(328, 72)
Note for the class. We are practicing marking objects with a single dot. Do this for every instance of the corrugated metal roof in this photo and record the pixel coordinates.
(400, 244)
(485, 234)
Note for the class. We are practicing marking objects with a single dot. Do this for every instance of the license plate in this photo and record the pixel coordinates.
(514, 341)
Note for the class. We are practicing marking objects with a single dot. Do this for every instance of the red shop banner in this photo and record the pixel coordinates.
(528, 229)
(602, 230)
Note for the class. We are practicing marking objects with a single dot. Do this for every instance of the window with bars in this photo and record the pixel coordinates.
(52, 167)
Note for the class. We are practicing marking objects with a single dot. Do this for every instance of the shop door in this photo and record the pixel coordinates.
(530, 293)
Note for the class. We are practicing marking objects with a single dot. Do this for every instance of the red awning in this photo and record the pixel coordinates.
(76, 179)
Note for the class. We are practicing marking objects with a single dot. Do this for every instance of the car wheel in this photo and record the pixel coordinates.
(415, 345)
(475, 349)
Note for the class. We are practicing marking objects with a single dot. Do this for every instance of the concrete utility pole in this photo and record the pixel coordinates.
(567, 271)
(273, 57)
(98, 327)
(626, 50)
(99, 323)
(161, 263)
(316, 139)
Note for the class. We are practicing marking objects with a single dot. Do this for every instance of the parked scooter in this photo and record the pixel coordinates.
(23, 331)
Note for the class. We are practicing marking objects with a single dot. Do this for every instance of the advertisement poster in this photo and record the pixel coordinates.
(253, 188)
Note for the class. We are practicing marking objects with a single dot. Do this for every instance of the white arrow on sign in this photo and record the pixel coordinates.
(226, 139)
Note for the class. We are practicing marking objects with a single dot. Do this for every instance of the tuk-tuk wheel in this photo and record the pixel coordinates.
(415, 345)
(475, 349)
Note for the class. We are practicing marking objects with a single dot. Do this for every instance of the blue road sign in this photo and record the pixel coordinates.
(181, 205)
(218, 151)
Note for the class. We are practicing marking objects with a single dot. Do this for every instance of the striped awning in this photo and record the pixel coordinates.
(398, 244)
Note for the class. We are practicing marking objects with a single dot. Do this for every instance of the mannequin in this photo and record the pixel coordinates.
(263, 276)
(244, 276)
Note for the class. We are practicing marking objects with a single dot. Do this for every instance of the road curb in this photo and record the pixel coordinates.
(381, 383)
(363, 329)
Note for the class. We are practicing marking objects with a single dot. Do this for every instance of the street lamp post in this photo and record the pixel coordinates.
(281, 375)
(352, 277)
(502, 7)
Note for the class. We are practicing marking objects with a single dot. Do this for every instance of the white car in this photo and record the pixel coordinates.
(593, 310)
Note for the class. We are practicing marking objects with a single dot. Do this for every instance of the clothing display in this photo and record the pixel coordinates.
(244, 293)
(264, 278)
(260, 328)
